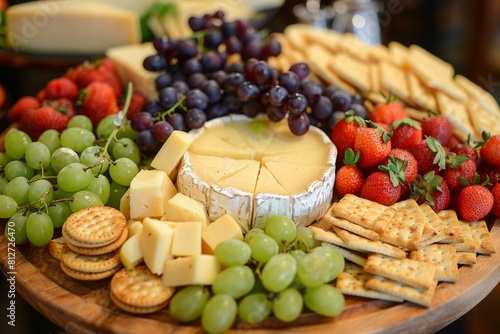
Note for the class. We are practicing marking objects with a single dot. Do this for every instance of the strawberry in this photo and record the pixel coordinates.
(63, 105)
(490, 150)
(40, 96)
(432, 189)
(23, 104)
(405, 163)
(430, 155)
(137, 102)
(496, 201)
(406, 134)
(97, 72)
(373, 144)
(349, 178)
(35, 121)
(344, 132)
(489, 172)
(61, 88)
(97, 101)
(474, 202)
(387, 112)
(467, 149)
(379, 187)
(438, 127)
(457, 176)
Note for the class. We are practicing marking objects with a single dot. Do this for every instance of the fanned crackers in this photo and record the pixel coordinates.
(444, 256)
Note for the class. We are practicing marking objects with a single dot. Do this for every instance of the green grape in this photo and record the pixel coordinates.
(93, 156)
(62, 157)
(84, 199)
(99, 185)
(123, 170)
(105, 127)
(51, 139)
(77, 139)
(39, 228)
(334, 259)
(257, 286)
(73, 177)
(126, 148)
(325, 300)
(279, 272)
(305, 239)
(313, 269)
(187, 304)
(37, 190)
(297, 254)
(253, 232)
(8, 206)
(219, 314)
(254, 308)
(80, 121)
(61, 194)
(263, 247)
(15, 143)
(116, 192)
(59, 212)
(127, 132)
(297, 284)
(3, 159)
(3, 183)
(282, 229)
(232, 252)
(17, 168)
(18, 190)
(235, 281)
(16, 228)
(287, 306)
(37, 156)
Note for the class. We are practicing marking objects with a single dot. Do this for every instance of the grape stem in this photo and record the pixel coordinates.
(179, 103)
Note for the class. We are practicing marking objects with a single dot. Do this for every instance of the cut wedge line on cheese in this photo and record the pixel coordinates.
(209, 144)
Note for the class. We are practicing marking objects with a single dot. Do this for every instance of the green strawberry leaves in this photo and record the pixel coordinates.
(396, 169)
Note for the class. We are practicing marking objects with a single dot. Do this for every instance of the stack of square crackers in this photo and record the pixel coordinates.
(399, 252)
(420, 80)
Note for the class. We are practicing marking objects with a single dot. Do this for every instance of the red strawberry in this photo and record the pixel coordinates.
(490, 150)
(405, 163)
(406, 134)
(344, 132)
(457, 176)
(349, 178)
(379, 188)
(470, 151)
(438, 127)
(97, 101)
(40, 96)
(431, 189)
(490, 172)
(97, 72)
(374, 146)
(61, 88)
(137, 101)
(387, 112)
(475, 202)
(73, 73)
(63, 105)
(23, 104)
(430, 155)
(496, 201)
(35, 121)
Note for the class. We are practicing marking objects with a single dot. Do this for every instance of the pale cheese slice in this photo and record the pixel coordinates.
(207, 143)
(317, 156)
(295, 178)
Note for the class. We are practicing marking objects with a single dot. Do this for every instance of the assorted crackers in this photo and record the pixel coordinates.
(399, 252)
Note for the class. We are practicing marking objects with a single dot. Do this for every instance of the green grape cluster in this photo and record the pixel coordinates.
(43, 182)
(278, 270)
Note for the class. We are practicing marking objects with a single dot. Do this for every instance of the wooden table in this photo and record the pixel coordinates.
(84, 307)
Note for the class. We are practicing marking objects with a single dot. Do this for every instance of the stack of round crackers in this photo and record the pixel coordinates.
(92, 241)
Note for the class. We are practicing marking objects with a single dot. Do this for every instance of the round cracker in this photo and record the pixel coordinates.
(91, 263)
(99, 250)
(56, 248)
(82, 276)
(135, 309)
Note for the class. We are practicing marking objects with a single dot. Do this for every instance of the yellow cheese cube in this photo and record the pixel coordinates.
(156, 244)
(189, 270)
(187, 238)
(171, 152)
(133, 226)
(221, 229)
(130, 251)
(182, 208)
(125, 204)
(149, 192)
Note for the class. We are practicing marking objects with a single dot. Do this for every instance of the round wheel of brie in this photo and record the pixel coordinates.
(252, 168)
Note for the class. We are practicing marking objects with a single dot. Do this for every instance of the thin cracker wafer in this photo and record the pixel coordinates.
(352, 70)
(468, 245)
(91, 263)
(444, 256)
(457, 114)
(450, 219)
(482, 238)
(347, 254)
(420, 95)
(393, 79)
(351, 227)
(477, 93)
(100, 250)
(85, 276)
(327, 236)
(467, 258)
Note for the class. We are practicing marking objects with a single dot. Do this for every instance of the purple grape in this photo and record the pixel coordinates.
(296, 103)
(275, 114)
(322, 109)
(301, 69)
(219, 77)
(233, 45)
(195, 118)
(192, 65)
(196, 23)
(213, 38)
(146, 141)
(312, 91)
(358, 109)
(252, 49)
(164, 46)
(277, 95)
(334, 118)
(163, 80)
(252, 108)
(357, 98)
(228, 28)
(196, 99)
(162, 130)
(236, 67)
(177, 121)
(168, 97)
(262, 73)
(216, 110)
(219, 14)
(298, 124)
(213, 91)
(154, 63)
(341, 100)
(249, 68)
(153, 107)
(232, 102)
(186, 49)
(181, 86)
(233, 80)
(290, 81)
(142, 121)
(241, 26)
(248, 91)
(272, 48)
(330, 90)
(211, 61)
(196, 80)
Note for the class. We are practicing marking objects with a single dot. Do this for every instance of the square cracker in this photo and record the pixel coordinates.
(420, 95)
(444, 256)
(360, 244)
(429, 234)
(348, 254)
(467, 258)
(450, 219)
(327, 236)
(393, 79)
(483, 120)
(482, 237)
(354, 71)
(457, 113)
(478, 94)
(468, 245)
(444, 234)
(352, 282)
(369, 214)
(422, 297)
(407, 271)
(406, 226)
(351, 227)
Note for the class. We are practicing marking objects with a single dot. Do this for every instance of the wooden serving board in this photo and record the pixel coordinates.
(85, 307)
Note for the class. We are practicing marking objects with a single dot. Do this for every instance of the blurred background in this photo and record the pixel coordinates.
(462, 32)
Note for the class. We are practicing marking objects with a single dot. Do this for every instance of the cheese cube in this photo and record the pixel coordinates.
(156, 244)
(149, 192)
(187, 238)
(125, 204)
(133, 226)
(190, 270)
(130, 251)
(181, 208)
(170, 154)
(221, 229)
